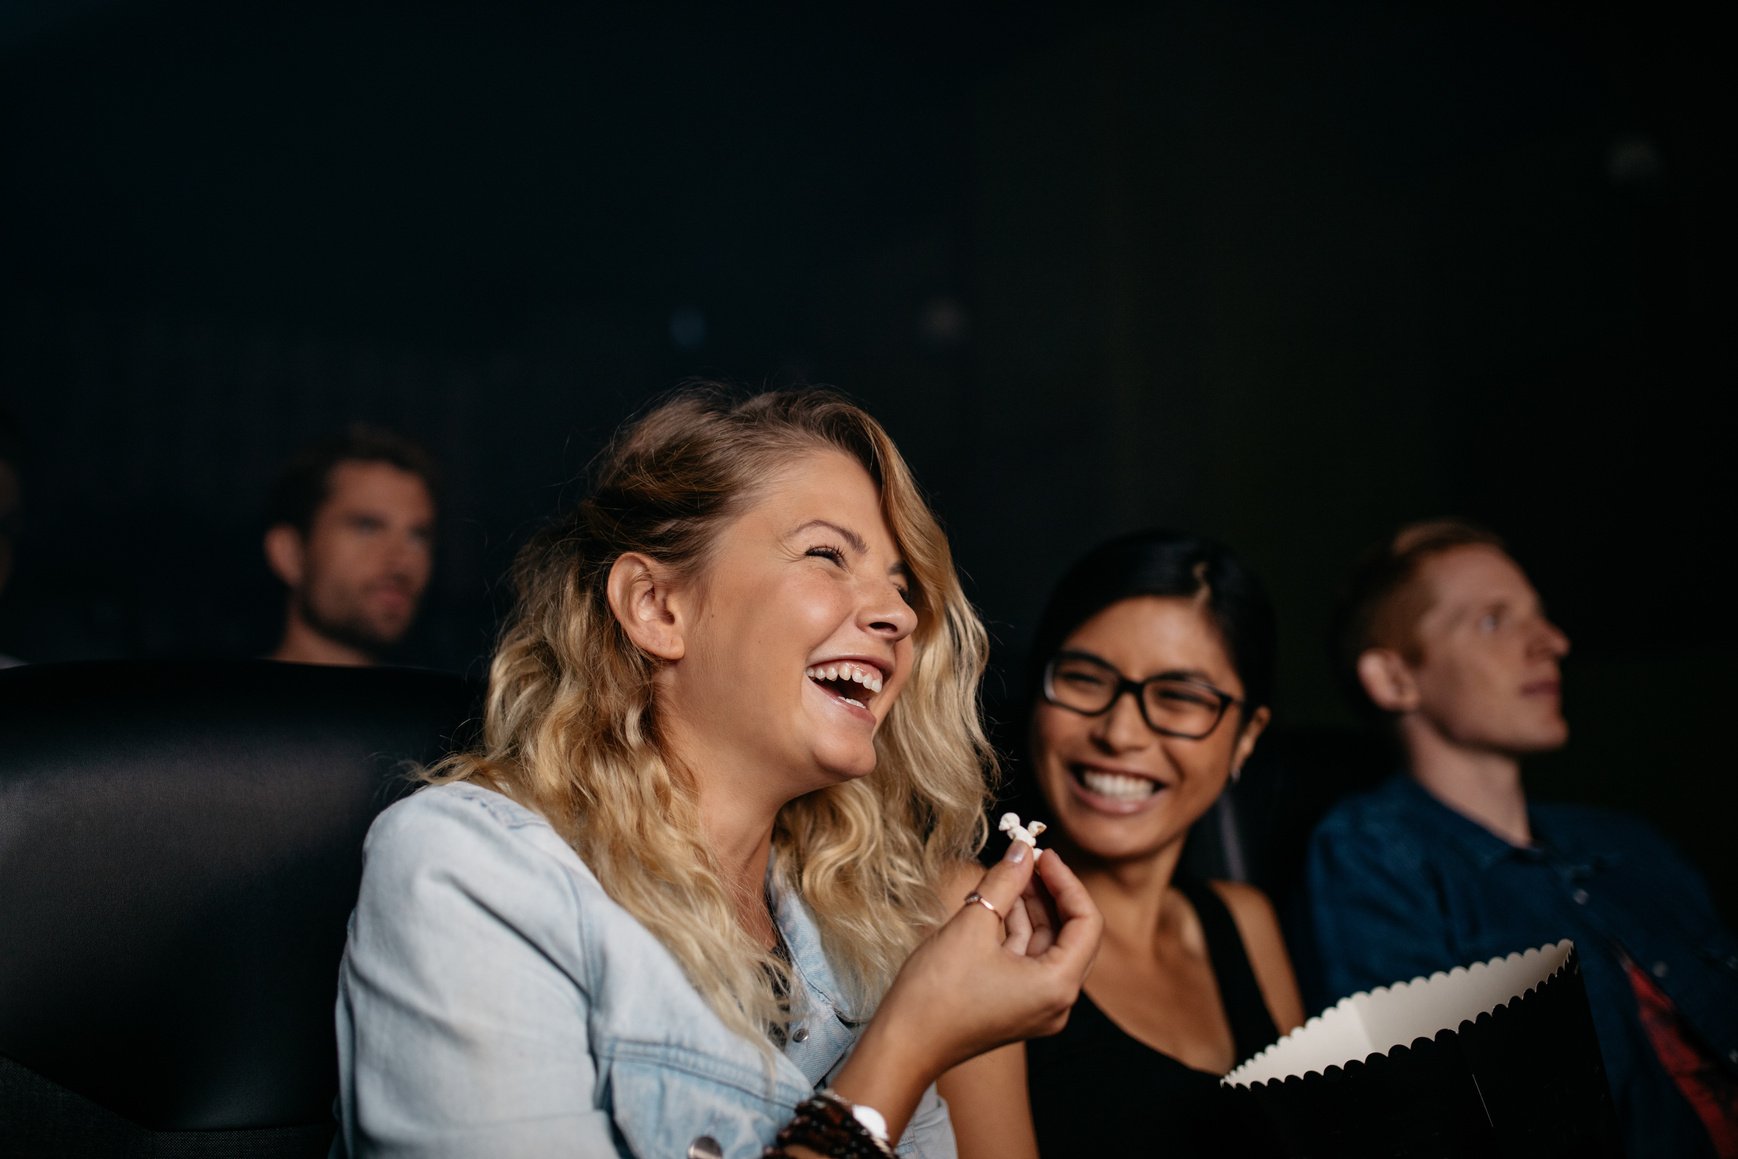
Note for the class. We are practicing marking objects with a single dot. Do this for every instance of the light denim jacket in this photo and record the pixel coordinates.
(494, 1001)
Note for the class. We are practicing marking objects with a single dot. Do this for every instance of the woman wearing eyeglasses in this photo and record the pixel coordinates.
(1154, 670)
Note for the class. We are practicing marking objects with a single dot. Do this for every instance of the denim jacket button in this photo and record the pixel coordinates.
(1579, 897)
(1661, 969)
(800, 1034)
(705, 1147)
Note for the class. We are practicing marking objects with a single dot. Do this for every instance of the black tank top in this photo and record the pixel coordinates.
(1096, 1091)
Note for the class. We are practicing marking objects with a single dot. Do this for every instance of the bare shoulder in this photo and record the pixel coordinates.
(1258, 926)
(986, 1096)
(990, 1107)
(1247, 904)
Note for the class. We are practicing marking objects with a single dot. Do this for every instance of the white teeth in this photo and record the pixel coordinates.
(869, 678)
(1118, 786)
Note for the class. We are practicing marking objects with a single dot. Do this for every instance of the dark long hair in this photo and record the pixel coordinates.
(1157, 562)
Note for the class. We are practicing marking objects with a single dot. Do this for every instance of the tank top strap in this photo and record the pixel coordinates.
(1252, 1026)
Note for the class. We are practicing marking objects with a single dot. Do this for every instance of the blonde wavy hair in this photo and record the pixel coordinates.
(572, 726)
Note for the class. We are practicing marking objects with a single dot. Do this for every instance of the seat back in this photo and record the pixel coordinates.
(180, 848)
(1259, 829)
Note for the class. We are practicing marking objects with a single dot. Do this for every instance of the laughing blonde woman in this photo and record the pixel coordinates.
(696, 892)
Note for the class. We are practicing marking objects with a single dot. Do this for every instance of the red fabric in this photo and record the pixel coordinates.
(1709, 1089)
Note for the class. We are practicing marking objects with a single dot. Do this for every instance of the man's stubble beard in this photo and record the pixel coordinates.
(352, 631)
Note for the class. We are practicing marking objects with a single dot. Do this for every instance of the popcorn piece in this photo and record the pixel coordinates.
(1010, 825)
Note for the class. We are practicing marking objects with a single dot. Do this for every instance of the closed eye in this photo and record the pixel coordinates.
(1183, 694)
(1079, 675)
(823, 551)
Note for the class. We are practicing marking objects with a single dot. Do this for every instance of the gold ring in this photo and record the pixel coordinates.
(976, 898)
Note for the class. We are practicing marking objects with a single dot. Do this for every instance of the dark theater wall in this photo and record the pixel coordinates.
(1295, 274)
(1286, 273)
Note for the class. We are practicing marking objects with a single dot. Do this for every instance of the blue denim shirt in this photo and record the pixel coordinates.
(494, 1001)
(1401, 885)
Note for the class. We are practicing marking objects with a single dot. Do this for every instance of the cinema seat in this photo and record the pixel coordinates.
(180, 848)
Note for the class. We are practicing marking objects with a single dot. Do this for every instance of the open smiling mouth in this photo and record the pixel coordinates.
(855, 684)
(1116, 786)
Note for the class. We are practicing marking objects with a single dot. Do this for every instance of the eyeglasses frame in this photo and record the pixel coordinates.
(1138, 688)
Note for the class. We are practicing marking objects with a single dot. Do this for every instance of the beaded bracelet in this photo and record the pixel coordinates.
(828, 1125)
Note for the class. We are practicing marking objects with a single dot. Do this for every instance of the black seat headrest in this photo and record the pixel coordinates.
(180, 849)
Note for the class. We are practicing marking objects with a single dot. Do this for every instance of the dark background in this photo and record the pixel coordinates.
(1284, 273)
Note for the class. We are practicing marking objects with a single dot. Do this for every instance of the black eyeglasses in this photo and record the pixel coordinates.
(1171, 705)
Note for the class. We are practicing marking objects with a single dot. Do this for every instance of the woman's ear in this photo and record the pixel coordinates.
(1387, 679)
(1251, 732)
(640, 591)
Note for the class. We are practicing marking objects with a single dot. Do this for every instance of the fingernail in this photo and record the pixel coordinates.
(1017, 851)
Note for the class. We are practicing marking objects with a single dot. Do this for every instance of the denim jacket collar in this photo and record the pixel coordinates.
(802, 936)
(1487, 849)
(824, 1015)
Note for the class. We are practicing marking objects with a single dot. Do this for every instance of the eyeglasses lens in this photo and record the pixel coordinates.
(1180, 707)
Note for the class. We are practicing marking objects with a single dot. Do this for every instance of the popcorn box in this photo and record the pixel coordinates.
(1493, 1059)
